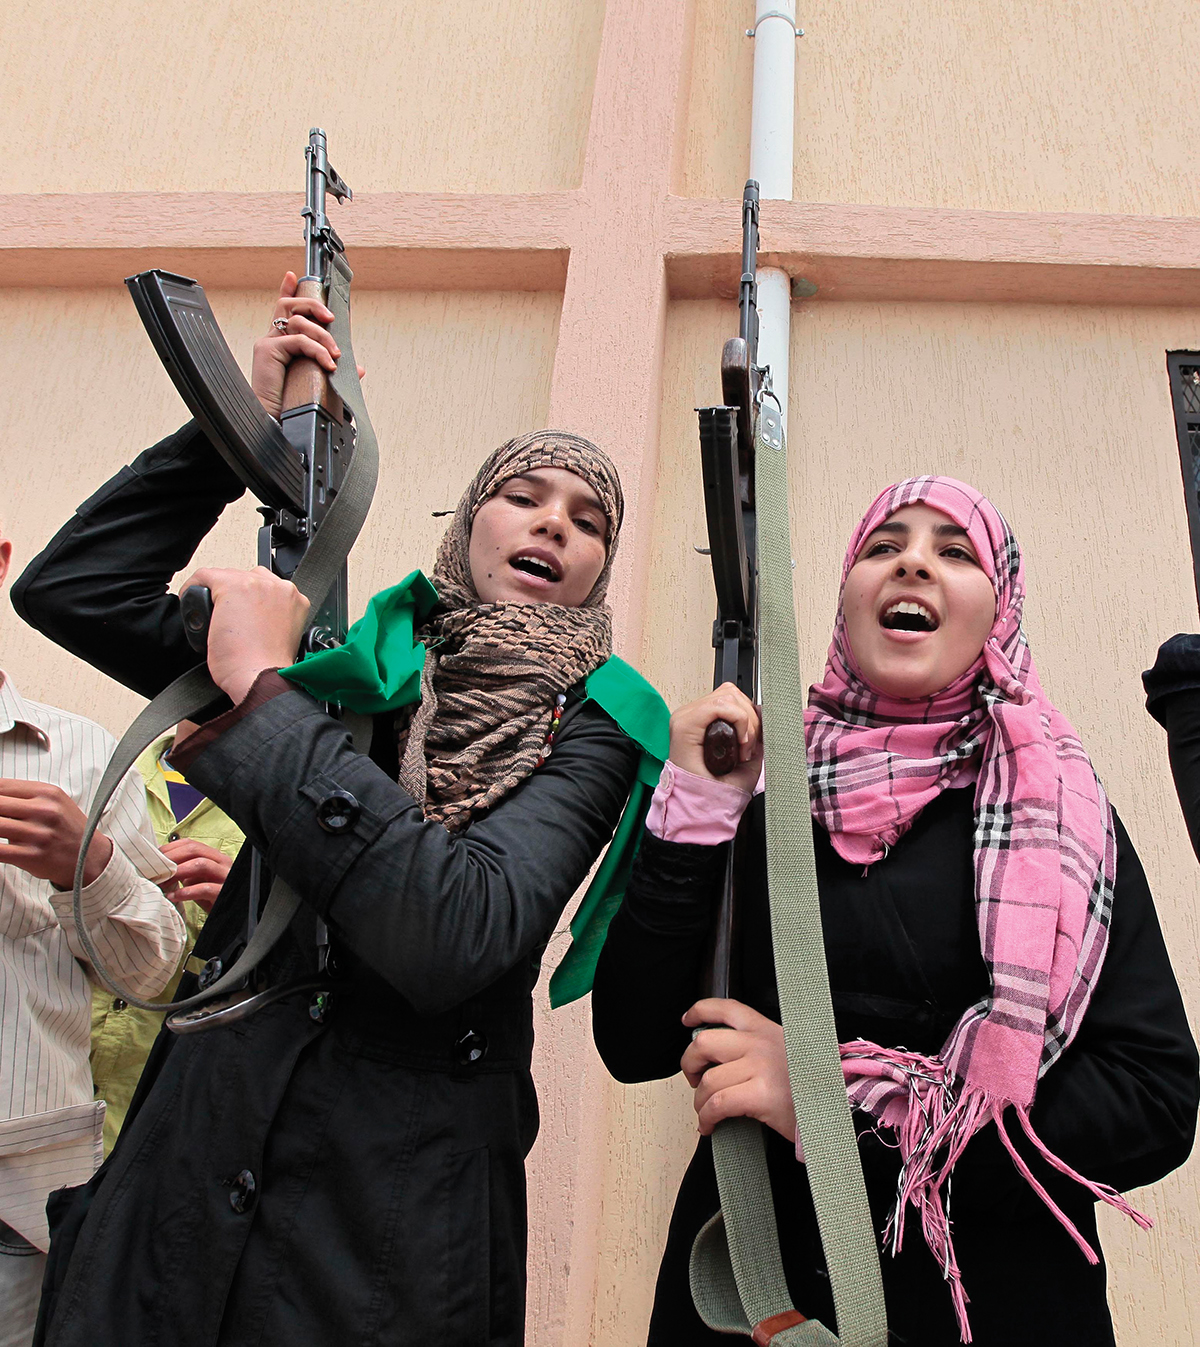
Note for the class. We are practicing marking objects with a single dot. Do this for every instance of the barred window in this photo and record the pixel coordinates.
(1183, 367)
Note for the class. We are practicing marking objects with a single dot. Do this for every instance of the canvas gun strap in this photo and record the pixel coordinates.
(737, 1275)
(193, 691)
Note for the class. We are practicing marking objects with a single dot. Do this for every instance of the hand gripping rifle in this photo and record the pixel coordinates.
(314, 471)
(737, 1277)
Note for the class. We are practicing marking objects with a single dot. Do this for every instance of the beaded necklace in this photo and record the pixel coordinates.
(559, 702)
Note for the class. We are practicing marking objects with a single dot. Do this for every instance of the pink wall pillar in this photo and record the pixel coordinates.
(607, 385)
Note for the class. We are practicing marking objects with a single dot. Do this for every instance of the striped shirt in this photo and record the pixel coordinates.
(50, 1126)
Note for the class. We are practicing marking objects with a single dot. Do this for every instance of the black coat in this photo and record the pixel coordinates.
(1173, 699)
(904, 963)
(386, 1145)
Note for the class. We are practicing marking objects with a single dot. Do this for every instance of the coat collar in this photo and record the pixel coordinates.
(15, 710)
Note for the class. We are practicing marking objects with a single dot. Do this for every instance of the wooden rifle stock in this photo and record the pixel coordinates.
(305, 382)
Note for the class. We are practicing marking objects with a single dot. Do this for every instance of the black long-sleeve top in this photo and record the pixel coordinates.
(904, 963)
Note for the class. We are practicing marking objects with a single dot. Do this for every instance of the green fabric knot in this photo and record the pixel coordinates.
(378, 669)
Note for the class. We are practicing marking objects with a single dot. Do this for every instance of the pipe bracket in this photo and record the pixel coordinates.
(775, 14)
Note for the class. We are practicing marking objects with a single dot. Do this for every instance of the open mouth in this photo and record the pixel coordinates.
(905, 615)
(537, 567)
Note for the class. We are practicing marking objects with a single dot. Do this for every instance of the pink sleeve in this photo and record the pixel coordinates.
(690, 808)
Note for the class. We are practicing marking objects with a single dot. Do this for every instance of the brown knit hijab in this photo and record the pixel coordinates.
(493, 670)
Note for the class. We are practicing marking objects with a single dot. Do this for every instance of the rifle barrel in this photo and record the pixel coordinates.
(319, 236)
(315, 222)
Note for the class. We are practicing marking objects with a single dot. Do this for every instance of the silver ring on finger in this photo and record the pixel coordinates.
(280, 325)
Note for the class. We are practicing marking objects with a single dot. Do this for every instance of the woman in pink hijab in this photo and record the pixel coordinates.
(1013, 1040)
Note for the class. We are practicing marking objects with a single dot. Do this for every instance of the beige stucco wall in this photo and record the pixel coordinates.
(167, 95)
(986, 104)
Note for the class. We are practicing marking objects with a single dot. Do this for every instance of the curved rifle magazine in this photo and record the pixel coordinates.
(176, 315)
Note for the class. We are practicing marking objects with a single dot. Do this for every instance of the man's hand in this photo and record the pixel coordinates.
(739, 1071)
(202, 871)
(257, 623)
(297, 329)
(43, 827)
(689, 723)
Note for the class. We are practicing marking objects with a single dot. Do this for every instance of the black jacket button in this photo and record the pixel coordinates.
(338, 811)
(242, 1192)
(471, 1048)
(211, 971)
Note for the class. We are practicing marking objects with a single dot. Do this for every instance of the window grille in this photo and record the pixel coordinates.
(1183, 367)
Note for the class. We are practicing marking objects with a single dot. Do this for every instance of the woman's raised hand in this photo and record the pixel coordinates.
(689, 723)
(257, 621)
(738, 1069)
(297, 329)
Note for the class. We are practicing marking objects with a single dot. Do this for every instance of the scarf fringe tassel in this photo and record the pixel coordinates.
(938, 1122)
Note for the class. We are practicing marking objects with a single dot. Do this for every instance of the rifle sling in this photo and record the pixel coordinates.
(737, 1276)
(193, 691)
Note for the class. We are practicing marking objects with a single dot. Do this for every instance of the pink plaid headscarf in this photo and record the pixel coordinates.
(1045, 862)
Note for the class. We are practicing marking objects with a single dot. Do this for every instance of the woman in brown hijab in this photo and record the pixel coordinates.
(355, 1176)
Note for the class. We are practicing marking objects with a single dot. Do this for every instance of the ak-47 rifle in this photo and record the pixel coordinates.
(737, 1276)
(314, 471)
(295, 466)
(727, 461)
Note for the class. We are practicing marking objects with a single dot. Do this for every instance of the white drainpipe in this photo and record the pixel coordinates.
(771, 130)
